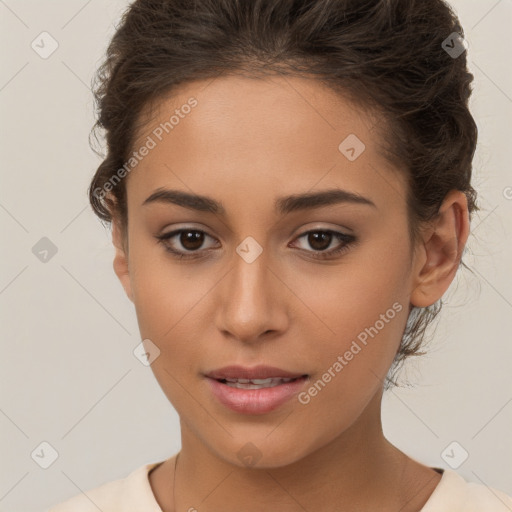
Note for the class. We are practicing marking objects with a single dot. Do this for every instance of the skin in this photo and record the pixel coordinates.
(246, 143)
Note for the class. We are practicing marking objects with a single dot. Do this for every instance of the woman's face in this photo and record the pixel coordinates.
(256, 290)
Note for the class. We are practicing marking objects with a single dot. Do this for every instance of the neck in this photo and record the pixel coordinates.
(357, 470)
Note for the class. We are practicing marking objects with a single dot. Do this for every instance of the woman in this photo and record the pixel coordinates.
(289, 188)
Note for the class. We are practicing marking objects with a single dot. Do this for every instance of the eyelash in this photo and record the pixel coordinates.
(321, 255)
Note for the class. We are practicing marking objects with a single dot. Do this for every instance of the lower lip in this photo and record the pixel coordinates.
(255, 401)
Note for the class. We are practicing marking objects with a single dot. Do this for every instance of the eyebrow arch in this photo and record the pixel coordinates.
(283, 205)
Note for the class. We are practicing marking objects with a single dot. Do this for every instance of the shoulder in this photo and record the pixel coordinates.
(131, 493)
(481, 497)
(454, 494)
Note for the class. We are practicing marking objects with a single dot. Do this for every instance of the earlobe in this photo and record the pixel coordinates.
(442, 250)
(120, 263)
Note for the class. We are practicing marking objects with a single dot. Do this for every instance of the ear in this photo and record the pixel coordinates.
(441, 250)
(121, 267)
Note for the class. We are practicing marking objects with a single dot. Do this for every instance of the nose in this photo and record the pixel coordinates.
(252, 301)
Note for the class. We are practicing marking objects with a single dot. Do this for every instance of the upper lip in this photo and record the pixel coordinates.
(256, 372)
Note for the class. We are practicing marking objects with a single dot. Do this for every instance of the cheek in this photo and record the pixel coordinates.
(355, 295)
(352, 363)
(171, 301)
(163, 291)
(363, 308)
(165, 303)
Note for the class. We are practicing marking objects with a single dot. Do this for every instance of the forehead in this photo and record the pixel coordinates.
(269, 109)
(250, 135)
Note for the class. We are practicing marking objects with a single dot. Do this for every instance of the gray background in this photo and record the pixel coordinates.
(68, 374)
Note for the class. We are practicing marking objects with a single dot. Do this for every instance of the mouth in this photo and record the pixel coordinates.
(258, 383)
(254, 391)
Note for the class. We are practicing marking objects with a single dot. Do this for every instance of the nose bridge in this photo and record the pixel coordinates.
(250, 279)
(249, 302)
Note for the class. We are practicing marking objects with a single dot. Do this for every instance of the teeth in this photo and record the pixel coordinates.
(262, 381)
(255, 383)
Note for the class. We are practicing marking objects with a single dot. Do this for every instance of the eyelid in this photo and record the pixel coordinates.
(318, 226)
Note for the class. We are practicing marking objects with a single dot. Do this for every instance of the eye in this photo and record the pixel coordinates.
(190, 239)
(321, 239)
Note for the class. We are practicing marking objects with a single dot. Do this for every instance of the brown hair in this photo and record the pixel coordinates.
(385, 55)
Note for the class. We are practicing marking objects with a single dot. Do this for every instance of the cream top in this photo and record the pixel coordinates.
(134, 494)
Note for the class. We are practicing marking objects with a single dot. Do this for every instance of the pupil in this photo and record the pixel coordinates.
(195, 238)
(314, 237)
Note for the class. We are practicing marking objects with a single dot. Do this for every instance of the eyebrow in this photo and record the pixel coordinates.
(282, 205)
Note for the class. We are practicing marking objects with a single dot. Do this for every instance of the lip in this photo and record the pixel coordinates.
(256, 372)
(254, 401)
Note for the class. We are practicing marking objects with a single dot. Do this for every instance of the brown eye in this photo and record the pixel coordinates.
(191, 240)
(188, 243)
(185, 243)
(319, 240)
